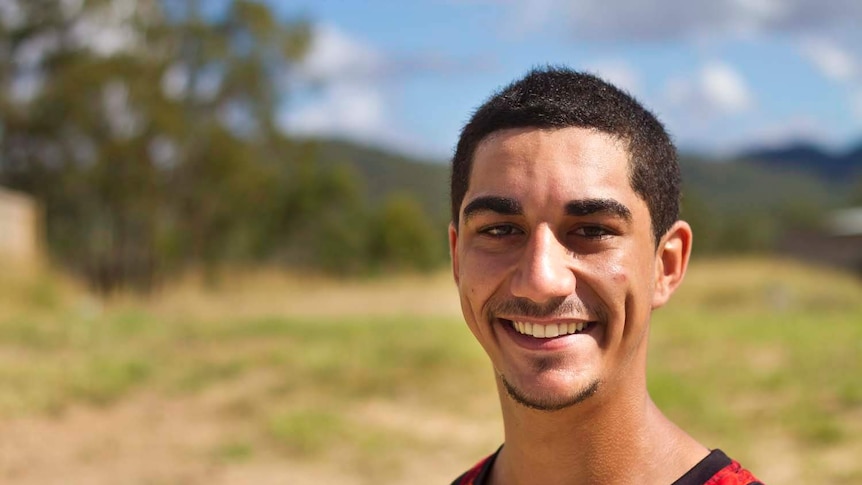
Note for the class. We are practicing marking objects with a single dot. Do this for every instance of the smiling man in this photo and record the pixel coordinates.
(564, 238)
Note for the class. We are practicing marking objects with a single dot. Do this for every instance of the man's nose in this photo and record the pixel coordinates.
(544, 271)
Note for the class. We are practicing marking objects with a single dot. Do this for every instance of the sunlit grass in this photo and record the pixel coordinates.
(748, 352)
(758, 350)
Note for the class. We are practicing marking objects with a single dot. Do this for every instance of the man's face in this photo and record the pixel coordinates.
(555, 263)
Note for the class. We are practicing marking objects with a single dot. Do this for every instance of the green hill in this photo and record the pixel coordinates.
(727, 186)
(838, 168)
(385, 172)
(734, 204)
(734, 186)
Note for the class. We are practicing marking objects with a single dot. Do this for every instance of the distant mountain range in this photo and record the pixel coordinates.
(809, 158)
(385, 172)
(756, 180)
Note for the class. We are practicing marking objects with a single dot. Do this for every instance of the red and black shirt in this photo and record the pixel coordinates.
(715, 469)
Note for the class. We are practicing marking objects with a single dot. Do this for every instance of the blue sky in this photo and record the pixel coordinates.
(722, 75)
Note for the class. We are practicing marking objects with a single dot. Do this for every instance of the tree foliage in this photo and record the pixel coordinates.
(147, 129)
(403, 236)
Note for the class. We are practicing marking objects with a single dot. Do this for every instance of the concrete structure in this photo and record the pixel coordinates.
(839, 245)
(846, 222)
(20, 229)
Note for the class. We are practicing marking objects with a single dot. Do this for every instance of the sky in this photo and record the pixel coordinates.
(723, 76)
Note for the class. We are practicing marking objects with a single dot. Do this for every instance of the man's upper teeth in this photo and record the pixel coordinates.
(548, 330)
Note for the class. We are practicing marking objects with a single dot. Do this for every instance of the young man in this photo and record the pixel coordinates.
(564, 237)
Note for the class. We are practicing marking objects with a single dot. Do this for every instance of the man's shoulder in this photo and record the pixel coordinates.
(715, 469)
(718, 469)
(478, 474)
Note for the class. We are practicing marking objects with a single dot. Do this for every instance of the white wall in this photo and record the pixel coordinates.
(19, 228)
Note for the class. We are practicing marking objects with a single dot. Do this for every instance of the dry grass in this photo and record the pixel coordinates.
(245, 293)
(267, 378)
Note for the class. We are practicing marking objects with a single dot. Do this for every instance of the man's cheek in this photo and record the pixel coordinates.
(614, 271)
(620, 277)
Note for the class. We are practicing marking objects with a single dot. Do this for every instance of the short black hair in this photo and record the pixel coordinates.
(556, 97)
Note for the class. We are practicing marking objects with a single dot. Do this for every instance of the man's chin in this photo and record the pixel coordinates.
(549, 401)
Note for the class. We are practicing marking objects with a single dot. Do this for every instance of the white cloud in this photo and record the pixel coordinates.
(341, 92)
(725, 138)
(355, 110)
(827, 33)
(725, 88)
(670, 19)
(335, 55)
(618, 73)
(346, 87)
(830, 59)
(717, 89)
(791, 130)
(532, 16)
(837, 63)
(857, 105)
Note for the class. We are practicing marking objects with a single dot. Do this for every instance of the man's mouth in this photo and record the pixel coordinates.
(550, 330)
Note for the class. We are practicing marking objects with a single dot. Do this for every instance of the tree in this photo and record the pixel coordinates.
(855, 198)
(148, 152)
(403, 237)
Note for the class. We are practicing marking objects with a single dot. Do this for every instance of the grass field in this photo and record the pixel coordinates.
(275, 379)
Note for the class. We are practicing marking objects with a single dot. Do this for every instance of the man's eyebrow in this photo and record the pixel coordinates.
(501, 205)
(586, 207)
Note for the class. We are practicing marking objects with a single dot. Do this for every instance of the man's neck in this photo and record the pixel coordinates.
(618, 439)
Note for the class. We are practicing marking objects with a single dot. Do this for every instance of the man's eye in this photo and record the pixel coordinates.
(502, 230)
(592, 232)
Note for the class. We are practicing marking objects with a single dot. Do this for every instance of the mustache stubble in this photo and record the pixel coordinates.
(561, 307)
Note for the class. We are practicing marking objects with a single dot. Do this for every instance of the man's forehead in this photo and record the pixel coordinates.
(524, 153)
(531, 159)
(510, 137)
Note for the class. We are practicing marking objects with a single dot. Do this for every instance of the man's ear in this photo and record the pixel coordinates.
(672, 256)
(453, 252)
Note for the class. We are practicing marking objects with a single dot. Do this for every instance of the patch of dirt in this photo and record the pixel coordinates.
(776, 460)
(152, 438)
(256, 295)
(155, 439)
(141, 440)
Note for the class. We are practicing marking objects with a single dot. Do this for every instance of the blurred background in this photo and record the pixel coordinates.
(223, 223)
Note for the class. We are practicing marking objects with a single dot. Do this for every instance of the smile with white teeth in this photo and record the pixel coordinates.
(548, 330)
